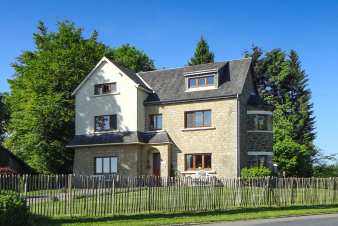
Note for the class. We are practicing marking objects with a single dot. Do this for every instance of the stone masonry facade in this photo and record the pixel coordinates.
(220, 139)
(133, 159)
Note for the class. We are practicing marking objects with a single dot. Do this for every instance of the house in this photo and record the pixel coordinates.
(174, 121)
(11, 164)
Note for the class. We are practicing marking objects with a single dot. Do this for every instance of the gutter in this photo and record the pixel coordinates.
(110, 144)
(238, 136)
(190, 100)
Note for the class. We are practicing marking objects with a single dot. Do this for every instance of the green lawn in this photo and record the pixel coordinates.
(175, 200)
(202, 217)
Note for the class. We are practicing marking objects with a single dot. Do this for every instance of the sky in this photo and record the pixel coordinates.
(169, 30)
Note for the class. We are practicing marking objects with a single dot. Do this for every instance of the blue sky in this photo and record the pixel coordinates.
(168, 31)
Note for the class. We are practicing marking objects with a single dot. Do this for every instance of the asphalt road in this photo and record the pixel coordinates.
(318, 220)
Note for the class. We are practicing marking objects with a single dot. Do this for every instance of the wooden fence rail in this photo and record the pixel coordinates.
(57, 195)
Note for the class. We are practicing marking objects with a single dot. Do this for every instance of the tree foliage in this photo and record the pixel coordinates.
(131, 58)
(258, 171)
(202, 53)
(3, 116)
(326, 170)
(41, 106)
(283, 83)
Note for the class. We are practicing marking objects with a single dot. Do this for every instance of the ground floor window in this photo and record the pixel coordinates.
(258, 160)
(198, 162)
(105, 165)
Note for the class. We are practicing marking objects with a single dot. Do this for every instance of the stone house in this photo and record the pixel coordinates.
(174, 121)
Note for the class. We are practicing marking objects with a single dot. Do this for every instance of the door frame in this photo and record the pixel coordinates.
(156, 164)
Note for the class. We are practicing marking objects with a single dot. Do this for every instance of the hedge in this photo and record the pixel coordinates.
(13, 210)
(258, 171)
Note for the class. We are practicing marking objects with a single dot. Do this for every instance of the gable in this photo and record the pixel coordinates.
(105, 68)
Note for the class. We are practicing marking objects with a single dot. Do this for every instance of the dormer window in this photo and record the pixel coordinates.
(105, 88)
(201, 81)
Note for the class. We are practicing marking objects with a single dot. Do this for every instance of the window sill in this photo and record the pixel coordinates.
(102, 132)
(198, 128)
(152, 131)
(197, 171)
(107, 94)
(260, 153)
(200, 89)
(259, 131)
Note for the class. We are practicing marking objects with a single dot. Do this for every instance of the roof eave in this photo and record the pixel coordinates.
(109, 144)
(190, 100)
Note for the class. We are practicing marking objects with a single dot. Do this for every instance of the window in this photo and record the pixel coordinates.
(105, 165)
(198, 161)
(105, 88)
(260, 122)
(204, 81)
(155, 122)
(105, 123)
(195, 119)
(257, 160)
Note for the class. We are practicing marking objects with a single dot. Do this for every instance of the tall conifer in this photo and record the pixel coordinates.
(202, 53)
(282, 82)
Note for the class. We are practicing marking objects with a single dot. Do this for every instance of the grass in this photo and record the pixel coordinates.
(164, 200)
(184, 218)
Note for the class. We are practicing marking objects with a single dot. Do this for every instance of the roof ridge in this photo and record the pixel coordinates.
(190, 66)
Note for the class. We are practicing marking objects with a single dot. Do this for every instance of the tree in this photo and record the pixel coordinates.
(131, 58)
(3, 116)
(326, 170)
(41, 106)
(283, 83)
(202, 54)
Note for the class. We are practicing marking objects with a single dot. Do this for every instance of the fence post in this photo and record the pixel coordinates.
(25, 179)
(270, 190)
(334, 190)
(69, 193)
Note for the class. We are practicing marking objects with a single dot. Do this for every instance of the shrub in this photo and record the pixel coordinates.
(258, 171)
(13, 210)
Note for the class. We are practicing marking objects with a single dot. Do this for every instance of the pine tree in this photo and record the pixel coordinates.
(202, 54)
(282, 82)
(300, 95)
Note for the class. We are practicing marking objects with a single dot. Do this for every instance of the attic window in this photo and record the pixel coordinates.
(201, 81)
(105, 88)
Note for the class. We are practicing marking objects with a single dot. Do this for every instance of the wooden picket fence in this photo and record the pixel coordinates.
(60, 195)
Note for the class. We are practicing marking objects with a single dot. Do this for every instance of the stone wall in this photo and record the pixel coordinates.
(220, 139)
(260, 141)
(133, 159)
(128, 158)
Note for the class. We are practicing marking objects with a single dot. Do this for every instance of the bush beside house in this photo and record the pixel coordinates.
(259, 171)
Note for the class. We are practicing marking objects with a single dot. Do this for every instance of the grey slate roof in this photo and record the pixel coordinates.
(133, 76)
(169, 85)
(128, 137)
(8, 159)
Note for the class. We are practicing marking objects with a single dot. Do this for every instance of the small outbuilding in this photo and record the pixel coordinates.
(11, 164)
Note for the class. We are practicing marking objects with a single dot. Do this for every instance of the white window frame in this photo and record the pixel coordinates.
(113, 170)
(259, 112)
(188, 77)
